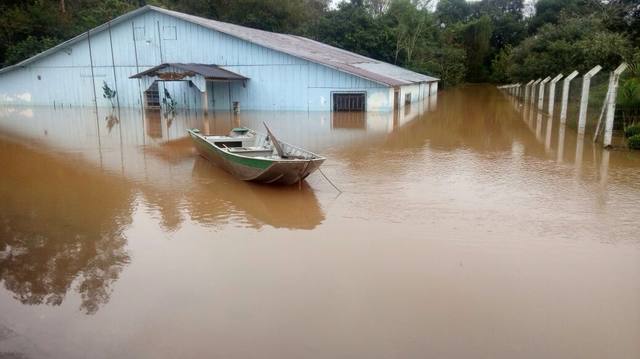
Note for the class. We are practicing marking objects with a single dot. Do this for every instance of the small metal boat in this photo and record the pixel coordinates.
(252, 156)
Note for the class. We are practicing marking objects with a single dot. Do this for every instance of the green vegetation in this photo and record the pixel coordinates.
(634, 142)
(632, 134)
(488, 40)
(632, 130)
(169, 103)
(108, 93)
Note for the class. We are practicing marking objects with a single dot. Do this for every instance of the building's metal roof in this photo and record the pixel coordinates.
(297, 46)
(210, 72)
(313, 51)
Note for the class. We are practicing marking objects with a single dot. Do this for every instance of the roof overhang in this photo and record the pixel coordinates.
(180, 71)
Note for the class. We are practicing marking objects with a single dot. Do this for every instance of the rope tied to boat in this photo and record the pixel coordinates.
(328, 180)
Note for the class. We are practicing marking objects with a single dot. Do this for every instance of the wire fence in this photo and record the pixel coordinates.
(585, 101)
(627, 111)
(573, 104)
(597, 94)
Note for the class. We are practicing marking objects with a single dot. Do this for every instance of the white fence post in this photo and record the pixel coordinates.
(533, 90)
(611, 104)
(565, 95)
(584, 99)
(552, 94)
(541, 92)
(527, 91)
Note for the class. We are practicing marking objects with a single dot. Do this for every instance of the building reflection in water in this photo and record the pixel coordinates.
(87, 172)
(348, 120)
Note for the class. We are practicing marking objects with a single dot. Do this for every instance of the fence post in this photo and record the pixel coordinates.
(552, 94)
(565, 95)
(533, 90)
(611, 104)
(527, 91)
(541, 92)
(584, 99)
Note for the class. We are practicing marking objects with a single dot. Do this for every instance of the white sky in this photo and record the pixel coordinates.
(528, 4)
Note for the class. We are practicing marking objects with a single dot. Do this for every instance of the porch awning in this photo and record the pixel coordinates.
(179, 71)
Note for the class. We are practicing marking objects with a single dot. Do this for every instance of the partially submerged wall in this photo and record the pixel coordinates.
(76, 74)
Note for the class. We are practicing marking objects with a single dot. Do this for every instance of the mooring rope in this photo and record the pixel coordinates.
(327, 178)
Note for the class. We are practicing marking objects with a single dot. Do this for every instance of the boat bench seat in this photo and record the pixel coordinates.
(263, 150)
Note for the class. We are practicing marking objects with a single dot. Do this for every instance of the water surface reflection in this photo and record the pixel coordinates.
(470, 218)
(61, 226)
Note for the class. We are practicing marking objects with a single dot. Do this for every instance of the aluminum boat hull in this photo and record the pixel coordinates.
(283, 171)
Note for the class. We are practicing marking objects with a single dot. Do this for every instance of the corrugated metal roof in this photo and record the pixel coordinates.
(313, 51)
(212, 72)
(301, 47)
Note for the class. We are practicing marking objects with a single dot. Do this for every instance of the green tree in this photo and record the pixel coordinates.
(577, 43)
(501, 65)
(28, 47)
(352, 27)
(551, 11)
(412, 28)
(476, 37)
(452, 11)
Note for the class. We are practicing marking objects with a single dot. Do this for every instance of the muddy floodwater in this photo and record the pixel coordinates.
(469, 227)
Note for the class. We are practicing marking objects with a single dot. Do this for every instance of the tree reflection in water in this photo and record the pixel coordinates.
(51, 240)
(111, 119)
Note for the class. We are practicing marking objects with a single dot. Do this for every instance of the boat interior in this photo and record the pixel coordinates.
(248, 143)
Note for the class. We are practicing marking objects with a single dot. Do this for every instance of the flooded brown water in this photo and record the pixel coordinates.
(469, 227)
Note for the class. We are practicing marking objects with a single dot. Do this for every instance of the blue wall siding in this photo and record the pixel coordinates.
(277, 81)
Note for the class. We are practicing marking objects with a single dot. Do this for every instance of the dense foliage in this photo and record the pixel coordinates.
(632, 130)
(487, 40)
(634, 142)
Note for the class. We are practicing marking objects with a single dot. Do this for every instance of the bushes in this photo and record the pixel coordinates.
(632, 133)
(634, 142)
(632, 130)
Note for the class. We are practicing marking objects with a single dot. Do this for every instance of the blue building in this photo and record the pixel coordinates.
(153, 56)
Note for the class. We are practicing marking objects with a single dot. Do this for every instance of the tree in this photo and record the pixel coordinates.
(411, 27)
(476, 37)
(452, 11)
(352, 27)
(501, 65)
(27, 47)
(550, 11)
(577, 43)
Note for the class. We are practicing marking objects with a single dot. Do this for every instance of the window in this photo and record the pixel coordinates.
(407, 99)
(169, 33)
(152, 96)
(349, 101)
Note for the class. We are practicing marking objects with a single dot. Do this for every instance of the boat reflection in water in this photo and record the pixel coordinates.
(88, 172)
(473, 201)
(219, 196)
